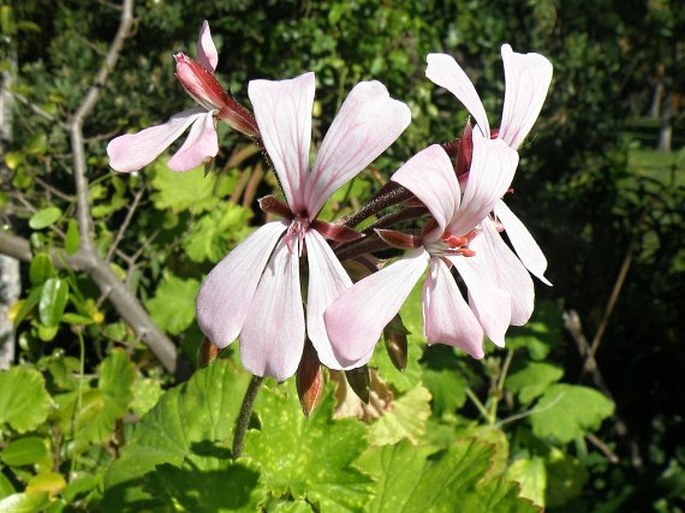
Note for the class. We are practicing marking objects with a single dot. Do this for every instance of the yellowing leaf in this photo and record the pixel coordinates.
(407, 419)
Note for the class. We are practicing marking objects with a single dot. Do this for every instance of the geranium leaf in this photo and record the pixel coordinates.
(566, 412)
(21, 386)
(308, 458)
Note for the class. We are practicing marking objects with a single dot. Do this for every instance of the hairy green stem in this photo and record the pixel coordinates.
(245, 415)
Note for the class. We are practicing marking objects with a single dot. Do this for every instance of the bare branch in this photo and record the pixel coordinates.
(127, 220)
(84, 218)
(123, 300)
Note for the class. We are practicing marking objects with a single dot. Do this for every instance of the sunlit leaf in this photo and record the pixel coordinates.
(217, 231)
(532, 381)
(19, 387)
(173, 305)
(421, 479)
(406, 419)
(532, 476)
(50, 482)
(308, 458)
(100, 407)
(24, 503)
(191, 190)
(566, 412)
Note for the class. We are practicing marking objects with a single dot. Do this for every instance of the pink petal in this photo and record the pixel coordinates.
(527, 78)
(526, 248)
(446, 316)
(272, 339)
(207, 55)
(368, 122)
(327, 279)
(492, 306)
(131, 152)
(492, 170)
(201, 144)
(444, 71)
(357, 317)
(225, 297)
(283, 110)
(430, 176)
(506, 271)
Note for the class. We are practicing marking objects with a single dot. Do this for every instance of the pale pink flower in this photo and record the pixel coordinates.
(357, 317)
(131, 152)
(527, 79)
(254, 293)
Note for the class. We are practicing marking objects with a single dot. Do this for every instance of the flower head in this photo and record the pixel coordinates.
(254, 293)
(357, 317)
(131, 152)
(527, 79)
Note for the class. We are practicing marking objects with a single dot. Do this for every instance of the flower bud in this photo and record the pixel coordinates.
(207, 354)
(360, 381)
(309, 380)
(205, 89)
(395, 335)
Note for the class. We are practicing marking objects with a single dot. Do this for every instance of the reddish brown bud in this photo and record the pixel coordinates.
(271, 205)
(360, 380)
(395, 335)
(207, 354)
(465, 153)
(204, 88)
(309, 380)
(335, 232)
(399, 240)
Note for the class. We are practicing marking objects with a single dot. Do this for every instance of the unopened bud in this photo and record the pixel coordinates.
(207, 354)
(465, 152)
(395, 335)
(205, 89)
(309, 380)
(360, 381)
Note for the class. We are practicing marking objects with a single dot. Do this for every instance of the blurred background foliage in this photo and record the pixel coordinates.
(600, 184)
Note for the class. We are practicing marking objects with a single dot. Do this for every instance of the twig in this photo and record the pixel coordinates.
(573, 325)
(83, 215)
(36, 109)
(127, 220)
(615, 292)
(603, 448)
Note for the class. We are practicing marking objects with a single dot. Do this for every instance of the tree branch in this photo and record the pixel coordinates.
(123, 300)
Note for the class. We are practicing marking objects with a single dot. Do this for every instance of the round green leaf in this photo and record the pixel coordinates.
(24, 451)
(44, 218)
(20, 387)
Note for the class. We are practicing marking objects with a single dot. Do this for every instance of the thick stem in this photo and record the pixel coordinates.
(245, 415)
(390, 194)
(371, 242)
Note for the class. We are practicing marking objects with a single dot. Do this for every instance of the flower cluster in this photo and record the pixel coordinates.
(285, 288)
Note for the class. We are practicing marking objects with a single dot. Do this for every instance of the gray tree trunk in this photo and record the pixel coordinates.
(10, 284)
(666, 132)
